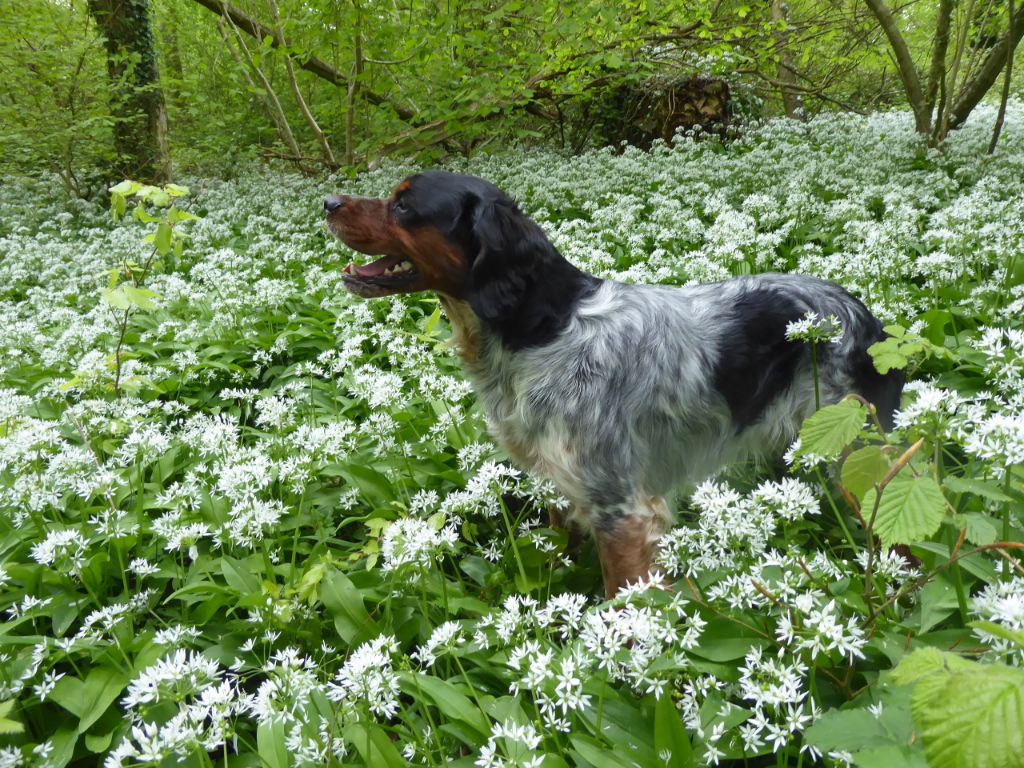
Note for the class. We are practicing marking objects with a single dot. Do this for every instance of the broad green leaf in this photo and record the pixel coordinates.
(270, 745)
(126, 188)
(452, 703)
(863, 469)
(998, 630)
(432, 322)
(8, 727)
(100, 743)
(116, 298)
(345, 603)
(594, 753)
(371, 483)
(139, 297)
(972, 717)
(849, 730)
(911, 509)
(936, 602)
(239, 577)
(374, 746)
(832, 428)
(174, 215)
(118, 205)
(670, 736)
(887, 356)
(983, 488)
(924, 662)
(981, 529)
(162, 240)
(63, 743)
(891, 756)
(88, 700)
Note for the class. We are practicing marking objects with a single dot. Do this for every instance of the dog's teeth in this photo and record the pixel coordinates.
(405, 266)
(389, 271)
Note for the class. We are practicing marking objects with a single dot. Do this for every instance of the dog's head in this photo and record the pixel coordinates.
(458, 235)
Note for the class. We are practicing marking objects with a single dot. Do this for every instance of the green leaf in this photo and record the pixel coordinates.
(432, 322)
(8, 727)
(100, 743)
(174, 215)
(162, 240)
(116, 298)
(891, 756)
(63, 743)
(88, 700)
(911, 509)
(452, 703)
(374, 746)
(983, 488)
(924, 662)
(971, 715)
(270, 745)
(848, 730)
(1014, 636)
(345, 603)
(239, 577)
(371, 483)
(126, 296)
(118, 205)
(886, 355)
(126, 188)
(594, 753)
(863, 469)
(142, 298)
(981, 529)
(832, 428)
(670, 736)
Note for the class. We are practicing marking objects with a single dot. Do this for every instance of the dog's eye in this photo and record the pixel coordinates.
(399, 207)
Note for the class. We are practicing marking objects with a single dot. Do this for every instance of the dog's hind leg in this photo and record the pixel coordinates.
(628, 543)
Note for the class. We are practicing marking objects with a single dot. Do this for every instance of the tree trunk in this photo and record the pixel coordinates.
(974, 90)
(998, 127)
(905, 64)
(140, 119)
(791, 100)
(940, 46)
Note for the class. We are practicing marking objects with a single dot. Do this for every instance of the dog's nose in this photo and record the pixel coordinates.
(332, 203)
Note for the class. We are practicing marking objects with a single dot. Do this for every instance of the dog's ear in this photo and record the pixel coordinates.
(507, 248)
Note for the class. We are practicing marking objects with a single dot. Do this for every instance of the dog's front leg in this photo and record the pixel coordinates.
(627, 543)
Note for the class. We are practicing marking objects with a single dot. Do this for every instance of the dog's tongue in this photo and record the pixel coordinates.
(374, 269)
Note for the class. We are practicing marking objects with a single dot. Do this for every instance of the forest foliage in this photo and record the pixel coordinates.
(344, 84)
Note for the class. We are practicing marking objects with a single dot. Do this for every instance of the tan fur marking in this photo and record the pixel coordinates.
(627, 553)
(465, 328)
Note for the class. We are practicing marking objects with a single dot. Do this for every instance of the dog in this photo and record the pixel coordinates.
(617, 393)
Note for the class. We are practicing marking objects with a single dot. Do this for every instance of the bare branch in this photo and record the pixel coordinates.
(314, 65)
(325, 147)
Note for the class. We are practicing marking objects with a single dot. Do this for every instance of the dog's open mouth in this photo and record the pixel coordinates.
(386, 274)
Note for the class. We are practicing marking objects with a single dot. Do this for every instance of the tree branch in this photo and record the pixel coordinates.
(314, 65)
(325, 147)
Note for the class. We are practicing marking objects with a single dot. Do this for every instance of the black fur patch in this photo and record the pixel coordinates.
(520, 286)
(756, 362)
(883, 391)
